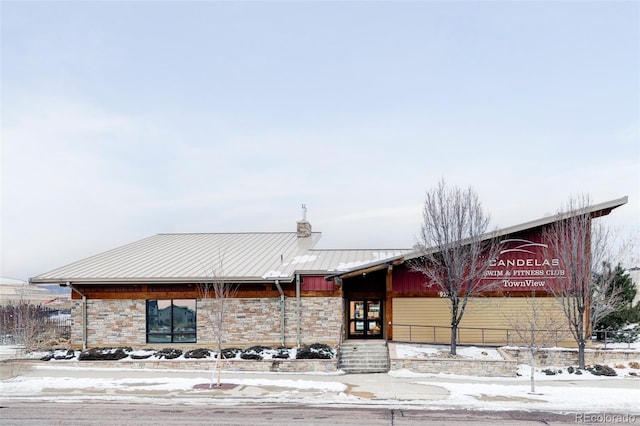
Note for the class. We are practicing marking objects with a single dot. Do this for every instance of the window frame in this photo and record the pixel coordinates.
(173, 333)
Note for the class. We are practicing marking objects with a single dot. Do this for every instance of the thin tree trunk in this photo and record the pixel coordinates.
(581, 346)
(532, 364)
(454, 334)
(219, 362)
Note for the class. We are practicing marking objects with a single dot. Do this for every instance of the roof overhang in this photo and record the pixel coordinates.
(162, 281)
(596, 210)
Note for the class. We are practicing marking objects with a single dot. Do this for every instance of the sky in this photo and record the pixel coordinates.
(125, 119)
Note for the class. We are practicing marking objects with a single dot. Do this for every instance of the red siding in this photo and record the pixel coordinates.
(405, 279)
(523, 265)
(316, 284)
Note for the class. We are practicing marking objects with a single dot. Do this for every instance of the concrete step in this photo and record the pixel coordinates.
(364, 357)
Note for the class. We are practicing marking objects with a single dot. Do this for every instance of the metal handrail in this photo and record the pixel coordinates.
(507, 332)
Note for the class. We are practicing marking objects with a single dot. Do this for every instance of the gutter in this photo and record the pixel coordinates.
(84, 314)
(298, 310)
(282, 313)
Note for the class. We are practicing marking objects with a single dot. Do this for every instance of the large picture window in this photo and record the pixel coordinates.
(171, 321)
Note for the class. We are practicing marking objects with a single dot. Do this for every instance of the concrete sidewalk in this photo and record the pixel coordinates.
(35, 380)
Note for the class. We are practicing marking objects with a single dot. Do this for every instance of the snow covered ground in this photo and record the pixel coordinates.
(64, 381)
(427, 351)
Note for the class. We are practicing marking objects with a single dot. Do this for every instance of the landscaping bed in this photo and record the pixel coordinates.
(254, 353)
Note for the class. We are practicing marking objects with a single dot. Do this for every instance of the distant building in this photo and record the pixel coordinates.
(16, 291)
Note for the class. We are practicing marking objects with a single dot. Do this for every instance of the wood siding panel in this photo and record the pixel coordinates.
(311, 283)
(481, 313)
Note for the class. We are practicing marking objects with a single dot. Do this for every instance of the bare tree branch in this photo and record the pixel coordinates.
(215, 294)
(583, 248)
(455, 249)
(536, 326)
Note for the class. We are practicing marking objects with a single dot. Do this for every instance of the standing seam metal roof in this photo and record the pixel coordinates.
(248, 257)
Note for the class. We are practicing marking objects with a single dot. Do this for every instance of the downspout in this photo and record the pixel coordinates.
(84, 315)
(298, 310)
(281, 313)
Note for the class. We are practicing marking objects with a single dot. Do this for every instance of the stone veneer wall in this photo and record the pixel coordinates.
(258, 321)
(465, 367)
(565, 357)
(267, 365)
(110, 323)
(320, 321)
(249, 322)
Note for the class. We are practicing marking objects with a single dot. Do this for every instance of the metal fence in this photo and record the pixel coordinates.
(26, 324)
(484, 336)
(626, 336)
(434, 334)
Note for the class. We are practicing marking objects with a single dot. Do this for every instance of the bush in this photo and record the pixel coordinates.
(104, 354)
(315, 351)
(142, 354)
(282, 353)
(230, 353)
(69, 354)
(254, 352)
(602, 370)
(198, 353)
(168, 353)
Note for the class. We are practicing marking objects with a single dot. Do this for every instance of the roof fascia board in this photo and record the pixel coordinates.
(195, 280)
(596, 210)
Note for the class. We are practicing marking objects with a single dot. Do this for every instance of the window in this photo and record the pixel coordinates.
(171, 321)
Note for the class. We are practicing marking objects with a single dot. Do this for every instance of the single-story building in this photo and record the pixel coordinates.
(288, 292)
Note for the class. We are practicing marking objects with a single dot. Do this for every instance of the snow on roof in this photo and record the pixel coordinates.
(238, 257)
(241, 257)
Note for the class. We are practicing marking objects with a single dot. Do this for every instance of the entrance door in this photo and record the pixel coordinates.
(365, 319)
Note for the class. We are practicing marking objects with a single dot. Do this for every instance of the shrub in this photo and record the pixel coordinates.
(168, 353)
(282, 353)
(254, 352)
(104, 354)
(602, 370)
(315, 351)
(68, 354)
(230, 353)
(634, 364)
(143, 354)
(198, 353)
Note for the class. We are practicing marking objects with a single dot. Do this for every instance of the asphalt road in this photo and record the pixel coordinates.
(100, 413)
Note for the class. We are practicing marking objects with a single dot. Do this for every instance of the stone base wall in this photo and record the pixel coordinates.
(567, 357)
(281, 366)
(248, 322)
(484, 368)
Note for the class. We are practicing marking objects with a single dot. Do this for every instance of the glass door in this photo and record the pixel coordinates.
(365, 319)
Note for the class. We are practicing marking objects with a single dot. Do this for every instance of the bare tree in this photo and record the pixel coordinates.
(583, 249)
(537, 326)
(215, 294)
(455, 250)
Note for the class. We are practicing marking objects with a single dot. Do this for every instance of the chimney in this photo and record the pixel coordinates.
(304, 227)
